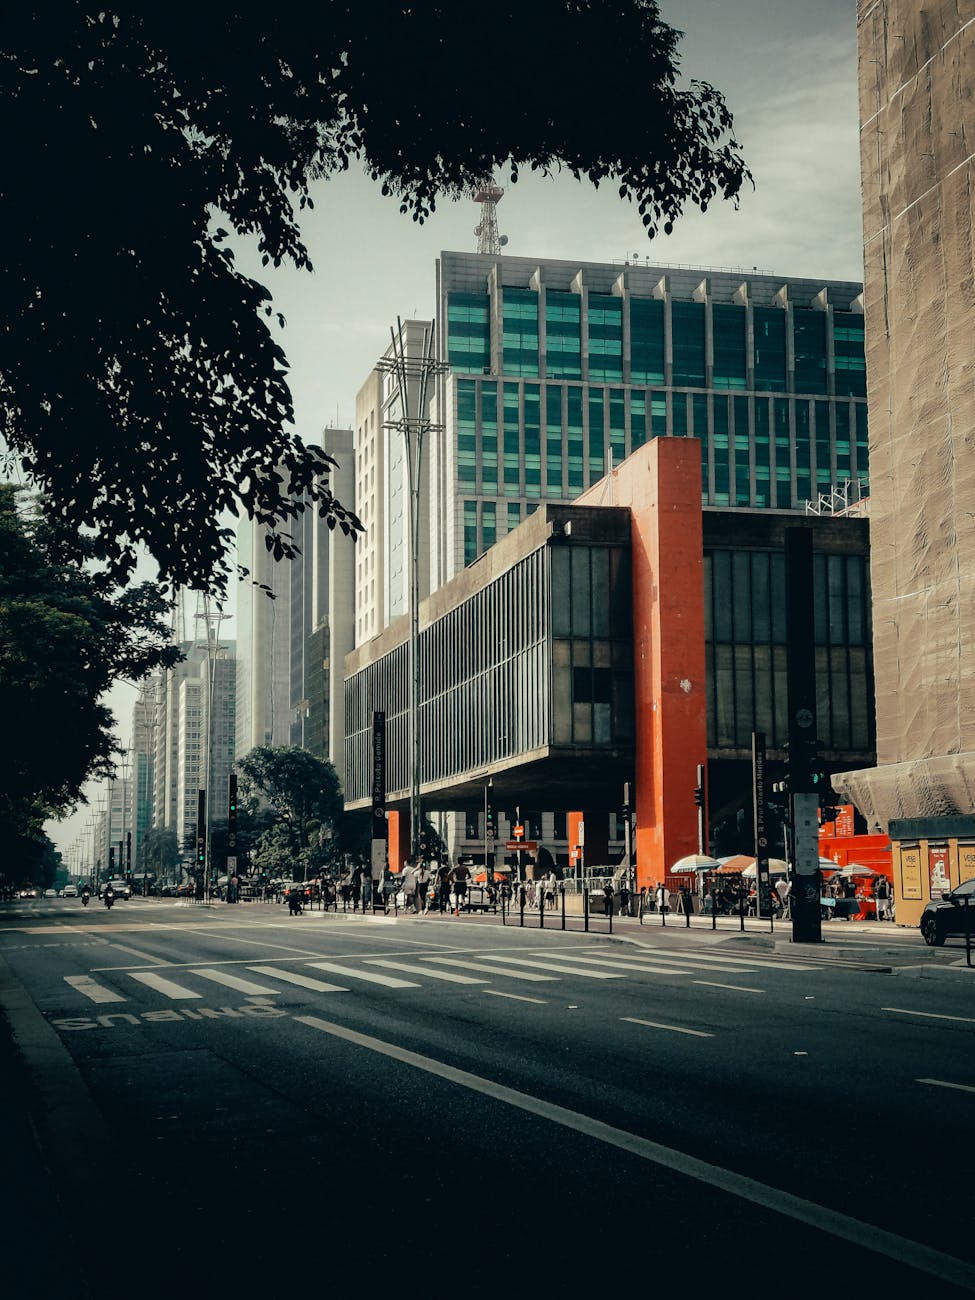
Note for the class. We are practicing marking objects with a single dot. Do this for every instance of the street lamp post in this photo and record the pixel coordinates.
(413, 370)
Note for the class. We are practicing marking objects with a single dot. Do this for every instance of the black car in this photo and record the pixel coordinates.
(949, 914)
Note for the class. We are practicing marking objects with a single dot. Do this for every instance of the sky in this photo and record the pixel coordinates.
(788, 71)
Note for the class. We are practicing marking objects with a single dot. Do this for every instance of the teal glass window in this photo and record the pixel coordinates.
(763, 461)
(803, 452)
(470, 532)
(489, 437)
(844, 463)
(809, 347)
(769, 329)
(573, 441)
(824, 475)
(849, 360)
(729, 338)
(605, 321)
(699, 412)
(863, 460)
(646, 340)
(512, 441)
(597, 454)
(742, 494)
(563, 338)
(489, 524)
(679, 405)
(514, 515)
(783, 454)
(533, 441)
(553, 441)
(467, 431)
(719, 442)
(687, 323)
(469, 333)
(519, 314)
(638, 419)
(658, 415)
(617, 425)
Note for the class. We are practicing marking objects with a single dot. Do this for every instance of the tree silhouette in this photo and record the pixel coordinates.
(141, 386)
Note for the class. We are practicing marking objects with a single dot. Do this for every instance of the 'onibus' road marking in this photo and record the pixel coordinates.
(92, 990)
(866, 1236)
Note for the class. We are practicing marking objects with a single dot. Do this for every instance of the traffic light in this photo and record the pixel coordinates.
(488, 822)
(200, 853)
(128, 855)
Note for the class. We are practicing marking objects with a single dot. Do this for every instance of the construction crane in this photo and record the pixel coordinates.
(489, 195)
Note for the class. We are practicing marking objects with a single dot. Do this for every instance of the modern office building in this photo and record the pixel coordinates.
(559, 370)
(600, 643)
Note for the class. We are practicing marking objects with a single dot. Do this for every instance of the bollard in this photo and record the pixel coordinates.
(562, 893)
(585, 909)
(541, 911)
(609, 910)
(521, 905)
(741, 908)
(686, 898)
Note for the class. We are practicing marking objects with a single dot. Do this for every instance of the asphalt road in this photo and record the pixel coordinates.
(229, 1101)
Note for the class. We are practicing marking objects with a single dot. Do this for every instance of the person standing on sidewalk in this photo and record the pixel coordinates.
(458, 879)
(422, 885)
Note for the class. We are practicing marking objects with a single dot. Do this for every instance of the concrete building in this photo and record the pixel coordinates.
(264, 675)
(916, 66)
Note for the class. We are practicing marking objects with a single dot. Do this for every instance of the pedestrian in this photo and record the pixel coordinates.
(458, 880)
(624, 897)
(422, 886)
(409, 886)
(662, 897)
(881, 893)
(443, 887)
(608, 897)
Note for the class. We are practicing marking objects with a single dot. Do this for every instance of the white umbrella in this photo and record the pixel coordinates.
(858, 869)
(776, 867)
(693, 862)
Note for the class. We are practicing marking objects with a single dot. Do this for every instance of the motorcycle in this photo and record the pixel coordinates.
(109, 900)
(84, 900)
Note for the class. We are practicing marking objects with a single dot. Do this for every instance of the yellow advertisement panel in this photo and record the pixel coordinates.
(911, 887)
(966, 862)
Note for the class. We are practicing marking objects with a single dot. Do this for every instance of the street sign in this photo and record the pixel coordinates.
(518, 832)
(528, 845)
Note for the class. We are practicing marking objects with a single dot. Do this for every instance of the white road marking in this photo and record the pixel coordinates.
(372, 977)
(674, 1029)
(233, 981)
(477, 965)
(303, 981)
(711, 959)
(560, 970)
(943, 1083)
(92, 990)
(929, 1015)
(144, 956)
(446, 975)
(737, 988)
(516, 997)
(161, 985)
(866, 1236)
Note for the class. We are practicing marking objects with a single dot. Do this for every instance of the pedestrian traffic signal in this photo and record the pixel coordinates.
(699, 796)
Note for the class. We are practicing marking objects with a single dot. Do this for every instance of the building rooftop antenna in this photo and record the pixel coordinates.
(489, 241)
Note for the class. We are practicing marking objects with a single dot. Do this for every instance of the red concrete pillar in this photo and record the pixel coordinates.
(398, 832)
(661, 484)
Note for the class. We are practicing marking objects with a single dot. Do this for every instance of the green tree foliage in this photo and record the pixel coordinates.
(140, 383)
(67, 633)
(303, 793)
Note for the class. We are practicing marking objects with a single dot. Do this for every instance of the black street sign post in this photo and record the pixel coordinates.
(763, 875)
(801, 674)
(201, 843)
(377, 866)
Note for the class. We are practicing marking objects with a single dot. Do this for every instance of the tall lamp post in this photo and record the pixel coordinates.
(413, 369)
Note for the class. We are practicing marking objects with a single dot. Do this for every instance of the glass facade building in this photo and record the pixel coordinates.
(559, 370)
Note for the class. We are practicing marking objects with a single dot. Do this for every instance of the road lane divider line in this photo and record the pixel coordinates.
(529, 976)
(303, 981)
(943, 1083)
(143, 956)
(866, 1236)
(736, 988)
(673, 1029)
(515, 997)
(447, 976)
(164, 986)
(371, 977)
(92, 990)
(233, 981)
(559, 969)
(929, 1015)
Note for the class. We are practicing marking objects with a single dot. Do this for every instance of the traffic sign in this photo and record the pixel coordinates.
(518, 832)
(529, 845)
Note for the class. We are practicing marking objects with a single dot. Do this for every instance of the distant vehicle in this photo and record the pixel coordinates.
(949, 914)
(50, 893)
(119, 888)
(70, 891)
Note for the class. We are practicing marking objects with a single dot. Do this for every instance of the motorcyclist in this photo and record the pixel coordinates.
(85, 896)
(109, 895)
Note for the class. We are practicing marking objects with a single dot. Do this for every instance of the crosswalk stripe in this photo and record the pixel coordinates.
(447, 975)
(491, 970)
(233, 981)
(373, 977)
(92, 990)
(667, 966)
(163, 985)
(304, 981)
(713, 961)
(561, 970)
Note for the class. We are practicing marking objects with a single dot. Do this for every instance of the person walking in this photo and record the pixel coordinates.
(663, 897)
(458, 879)
(422, 886)
(409, 886)
(608, 897)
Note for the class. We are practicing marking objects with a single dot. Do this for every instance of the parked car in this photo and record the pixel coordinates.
(949, 914)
